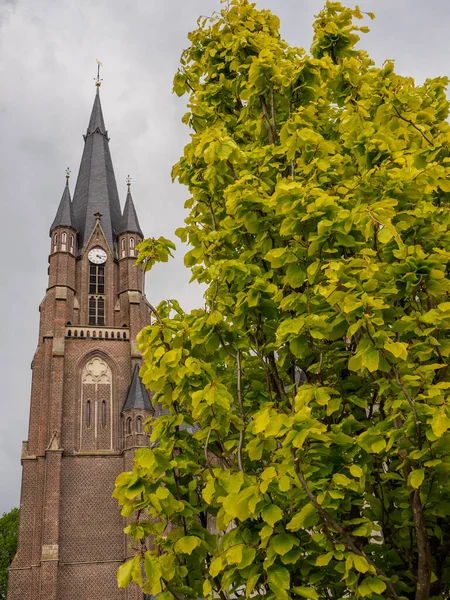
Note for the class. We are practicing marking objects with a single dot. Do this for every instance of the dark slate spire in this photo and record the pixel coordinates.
(137, 395)
(96, 189)
(64, 214)
(130, 221)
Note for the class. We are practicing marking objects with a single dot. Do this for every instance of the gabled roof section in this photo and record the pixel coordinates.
(96, 189)
(130, 221)
(64, 215)
(137, 395)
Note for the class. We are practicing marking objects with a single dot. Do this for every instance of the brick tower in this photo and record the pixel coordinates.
(88, 403)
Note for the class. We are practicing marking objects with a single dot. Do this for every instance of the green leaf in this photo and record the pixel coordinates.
(284, 483)
(440, 423)
(378, 445)
(271, 514)
(416, 477)
(253, 576)
(398, 349)
(187, 544)
(234, 554)
(278, 577)
(304, 519)
(356, 471)
(370, 359)
(248, 556)
(324, 559)
(124, 573)
(130, 571)
(385, 235)
(306, 592)
(282, 543)
(216, 566)
(376, 585)
(360, 563)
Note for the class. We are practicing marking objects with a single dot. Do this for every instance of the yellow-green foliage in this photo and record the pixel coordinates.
(307, 404)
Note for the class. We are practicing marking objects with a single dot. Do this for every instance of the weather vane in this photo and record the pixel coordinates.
(67, 174)
(128, 182)
(98, 81)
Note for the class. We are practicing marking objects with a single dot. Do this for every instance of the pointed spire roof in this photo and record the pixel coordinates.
(137, 395)
(96, 189)
(130, 221)
(64, 215)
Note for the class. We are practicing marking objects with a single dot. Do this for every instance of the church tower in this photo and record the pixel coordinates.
(88, 404)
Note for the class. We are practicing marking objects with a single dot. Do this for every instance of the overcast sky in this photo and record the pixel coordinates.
(47, 64)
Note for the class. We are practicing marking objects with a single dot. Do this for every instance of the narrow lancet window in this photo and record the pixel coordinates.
(88, 413)
(103, 413)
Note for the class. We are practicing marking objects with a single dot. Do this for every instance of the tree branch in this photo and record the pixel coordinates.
(241, 408)
(326, 517)
(425, 561)
(155, 312)
(413, 125)
(267, 119)
(272, 107)
(174, 593)
(206, 452)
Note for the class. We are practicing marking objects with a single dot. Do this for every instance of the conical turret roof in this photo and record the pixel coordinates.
(137, 395)
(96, 189)
(130, 221)
(64, 215)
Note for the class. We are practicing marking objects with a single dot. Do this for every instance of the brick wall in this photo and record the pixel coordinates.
(71, 538)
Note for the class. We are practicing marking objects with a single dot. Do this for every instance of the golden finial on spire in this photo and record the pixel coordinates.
(128, 182)
(67, 175)
(98, 81)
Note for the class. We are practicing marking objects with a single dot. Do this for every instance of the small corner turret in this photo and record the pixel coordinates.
(63, 230)
(130, 232)
(136, 410)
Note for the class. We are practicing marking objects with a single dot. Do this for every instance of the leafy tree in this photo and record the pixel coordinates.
(304, 449)
(9, 524)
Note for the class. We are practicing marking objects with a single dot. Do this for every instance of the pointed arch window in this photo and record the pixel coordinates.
(63, 241)
(123, 247)
(129, 425)
(132, 246)
(96, 403)
(139, 424)
(72, 244)
(55, 242)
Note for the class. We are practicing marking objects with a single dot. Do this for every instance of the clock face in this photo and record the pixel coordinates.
(97, 256)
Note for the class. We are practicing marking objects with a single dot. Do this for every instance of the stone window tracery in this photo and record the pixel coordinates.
(96, 406)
